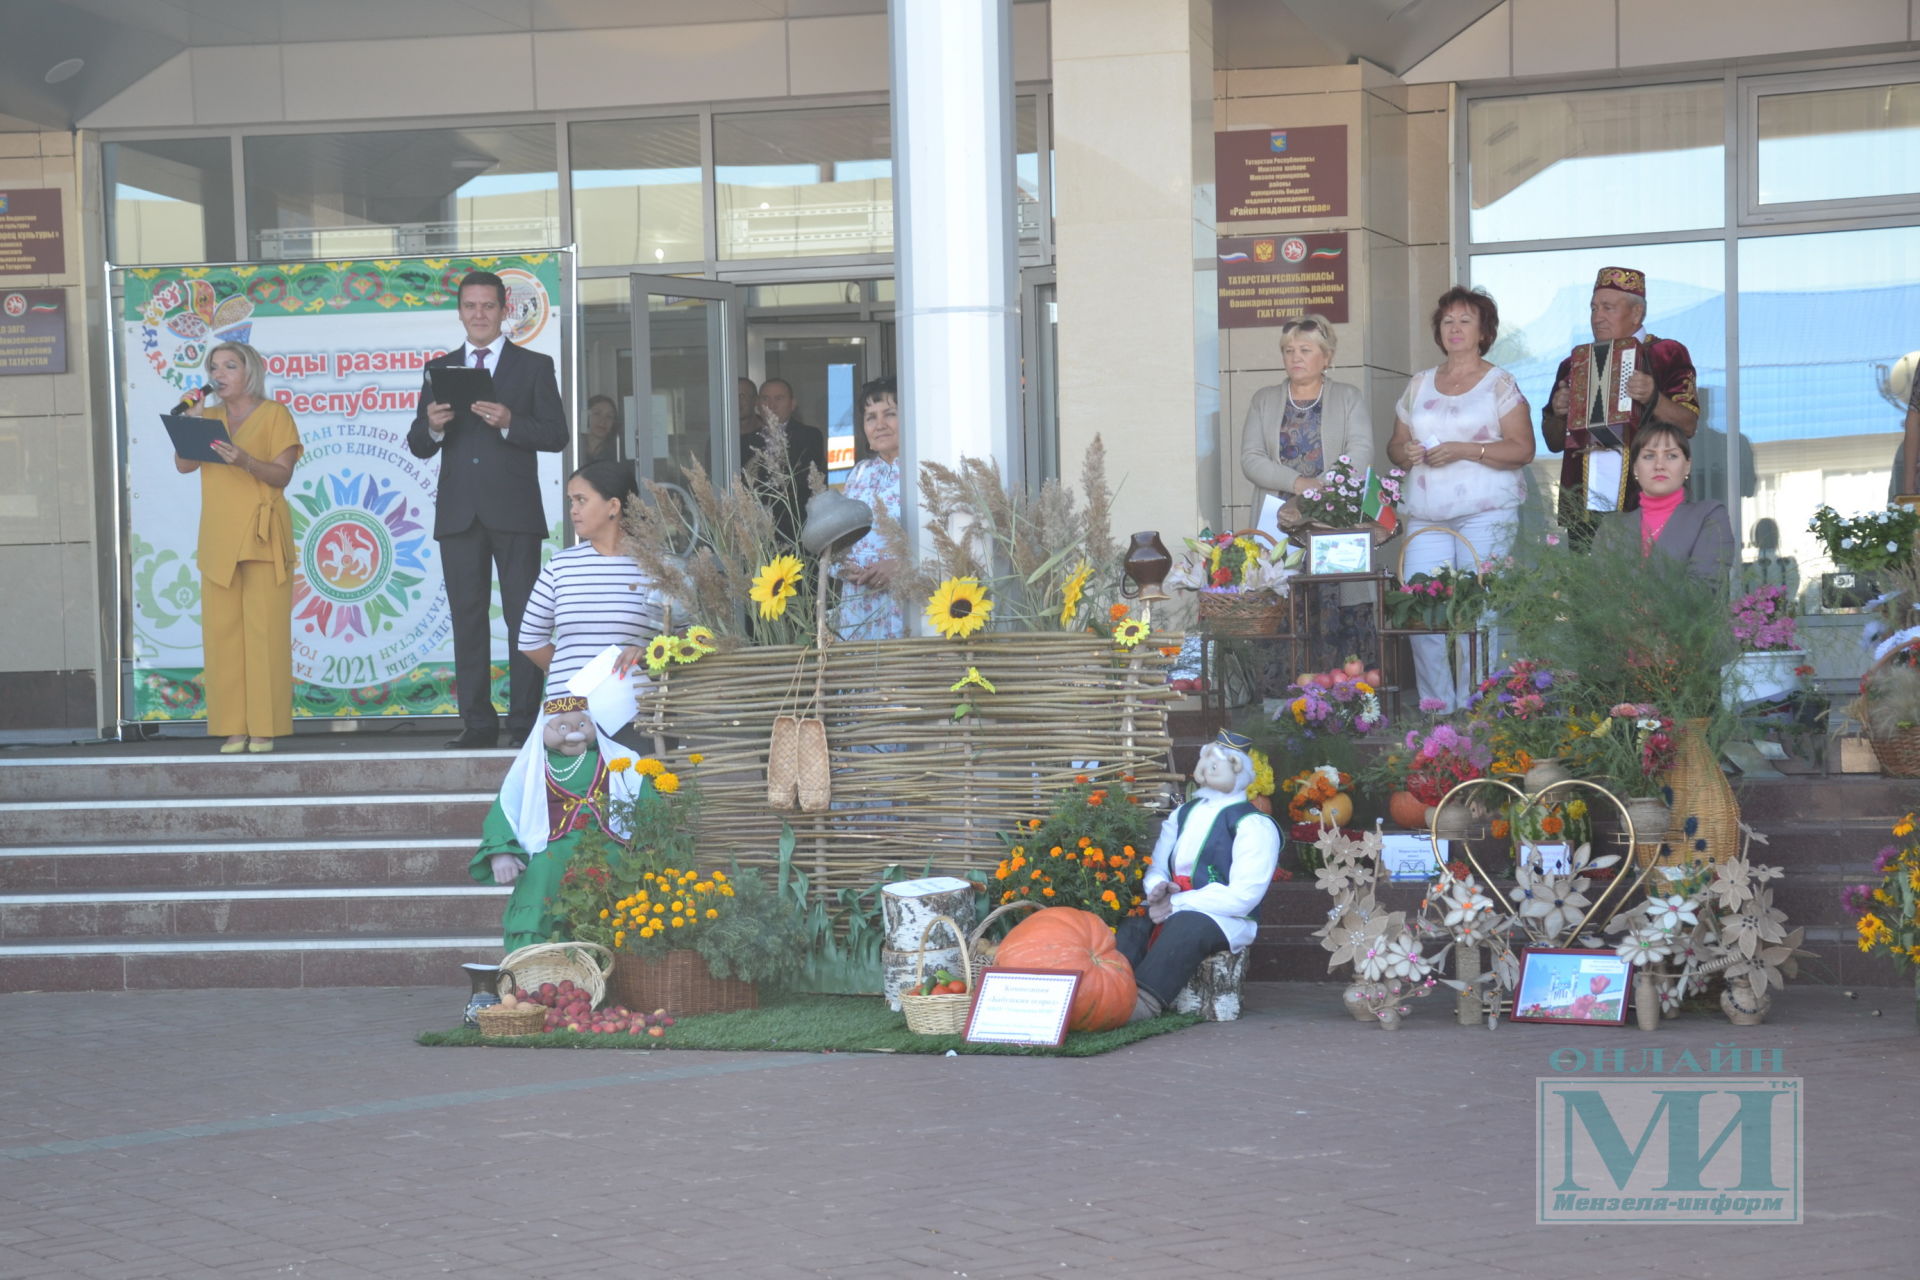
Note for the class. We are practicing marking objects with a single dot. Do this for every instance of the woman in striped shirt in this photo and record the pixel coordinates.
(591, 595)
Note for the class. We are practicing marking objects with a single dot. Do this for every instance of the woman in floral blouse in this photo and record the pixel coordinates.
(866, 610)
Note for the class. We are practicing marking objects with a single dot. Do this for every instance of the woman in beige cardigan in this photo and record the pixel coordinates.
(1295, 430)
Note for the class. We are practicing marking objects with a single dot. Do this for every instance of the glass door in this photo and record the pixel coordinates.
(1040, 375)
(824, 363)
(685, 398)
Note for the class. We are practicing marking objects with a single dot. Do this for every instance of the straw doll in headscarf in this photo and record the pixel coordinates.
(558, 787)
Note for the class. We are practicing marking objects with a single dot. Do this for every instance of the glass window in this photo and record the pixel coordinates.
(606, 369)
(1839, 144)
(172, 200)
(1027, 213)
(1543, 299)
(1602, 163)
(636, 191)
(347, 195)
(804, 183)
(1822, 317)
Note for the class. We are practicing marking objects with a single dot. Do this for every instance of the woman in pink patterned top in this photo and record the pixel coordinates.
(1464, 433)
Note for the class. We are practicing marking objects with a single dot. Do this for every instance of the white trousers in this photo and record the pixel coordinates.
(1491, 533)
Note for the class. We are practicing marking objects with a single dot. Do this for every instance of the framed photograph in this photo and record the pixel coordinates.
(1572, 985)
(1022, 1006)
(1348, 551)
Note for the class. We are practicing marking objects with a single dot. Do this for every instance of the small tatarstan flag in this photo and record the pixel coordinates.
(1374, 505)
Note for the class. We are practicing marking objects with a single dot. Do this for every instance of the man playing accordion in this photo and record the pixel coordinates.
(1597, 435)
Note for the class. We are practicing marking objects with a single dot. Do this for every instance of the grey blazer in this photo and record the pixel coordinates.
(1344, 429)
(1697, 532)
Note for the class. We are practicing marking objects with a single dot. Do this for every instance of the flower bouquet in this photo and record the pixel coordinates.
(1887, 915)
(1349, 706)
(1631, 749)
(1241, 578)
(1091, 852)
(1524, 709)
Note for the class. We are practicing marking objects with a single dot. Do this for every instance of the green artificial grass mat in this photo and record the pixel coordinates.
(811, 1024)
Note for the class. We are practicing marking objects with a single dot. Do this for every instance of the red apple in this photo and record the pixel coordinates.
(666, 1022)
(1353, 667)
(1373, 677)
(1324, 680)
(655, 1031)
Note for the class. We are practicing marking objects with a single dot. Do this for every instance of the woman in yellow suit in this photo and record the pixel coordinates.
(246, 554)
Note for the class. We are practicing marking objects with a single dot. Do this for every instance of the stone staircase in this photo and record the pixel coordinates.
(328, 866)
(1822, 831)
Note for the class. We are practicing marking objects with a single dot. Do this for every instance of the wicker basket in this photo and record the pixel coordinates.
(1899, 754)
(681, 983)
(1242, 613)
(939, 1015)
(585, 964)
(522, 1020)
(980, 948)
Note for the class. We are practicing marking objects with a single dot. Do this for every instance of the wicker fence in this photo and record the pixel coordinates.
(911, 784)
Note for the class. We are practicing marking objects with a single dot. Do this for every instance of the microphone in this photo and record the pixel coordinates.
(189, 400)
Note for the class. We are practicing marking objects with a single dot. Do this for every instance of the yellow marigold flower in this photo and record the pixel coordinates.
(696, 758)
(1034, 874)
(620, 764)
(1007, 896)
(659, 909)
(649, 767)
(603, 913)
(713, 913)
(1048, 891)
(720, 877)
(1070, 594)
(677, 922)
(667, 783)
(727, 889)
(619, 936)
(1002, 871)
(1085, 841)
(776, 584)
(958, 608)
(677, 904)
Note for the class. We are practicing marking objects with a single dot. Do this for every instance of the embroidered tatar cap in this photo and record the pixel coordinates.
(1236, 741)
(559, 706)
(1625, 279)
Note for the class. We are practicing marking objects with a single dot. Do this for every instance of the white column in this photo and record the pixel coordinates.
(955, 252)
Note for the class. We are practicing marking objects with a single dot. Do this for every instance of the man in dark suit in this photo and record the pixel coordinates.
(806, 447)
(488, 512)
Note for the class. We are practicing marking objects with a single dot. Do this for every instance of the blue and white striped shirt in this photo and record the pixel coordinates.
(583, 602)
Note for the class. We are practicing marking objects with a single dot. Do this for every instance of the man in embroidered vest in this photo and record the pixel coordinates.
(1595, 479)
(1210, 871)
(558, 786)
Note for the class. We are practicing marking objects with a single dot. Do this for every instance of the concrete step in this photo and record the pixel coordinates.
(284, 772)
(205, 863)
(332, 910)
(1814, 799)
(245, 817)
(370, 960)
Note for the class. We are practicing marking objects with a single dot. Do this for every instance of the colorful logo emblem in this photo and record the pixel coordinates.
(16, 304)
(362, 555)
(1294, 249)
(527, 306)
(1277, 141)
(1263, 251)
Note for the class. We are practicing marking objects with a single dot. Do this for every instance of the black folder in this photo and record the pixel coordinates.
(193, 437)
(460, 386)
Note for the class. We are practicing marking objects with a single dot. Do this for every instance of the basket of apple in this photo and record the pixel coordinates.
(562, 1006)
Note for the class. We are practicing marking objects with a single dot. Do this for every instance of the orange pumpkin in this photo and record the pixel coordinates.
(1068, 938)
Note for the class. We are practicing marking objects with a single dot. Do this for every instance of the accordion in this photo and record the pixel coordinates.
(1617, 409)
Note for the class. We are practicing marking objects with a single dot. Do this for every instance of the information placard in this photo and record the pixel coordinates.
(32, 241)
(1022, 1006)
(1268, 280)
(33, 331)
(1266, 174)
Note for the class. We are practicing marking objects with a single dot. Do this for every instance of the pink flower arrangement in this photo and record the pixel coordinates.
(1761, 620)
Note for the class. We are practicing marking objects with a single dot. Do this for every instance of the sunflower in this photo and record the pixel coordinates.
(685, 650)
(659, 653)
(959, 608)
(775, 584)
(1071, 593)
(701, 638)
(1130, 633)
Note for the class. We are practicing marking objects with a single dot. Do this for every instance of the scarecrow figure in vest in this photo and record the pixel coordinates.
(558, 787)
(1211, 868)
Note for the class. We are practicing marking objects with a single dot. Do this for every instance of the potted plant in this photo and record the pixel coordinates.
(1860, 547)
(1632, 748)
(1768, 665)
(1523, 709)
(1347, 497)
